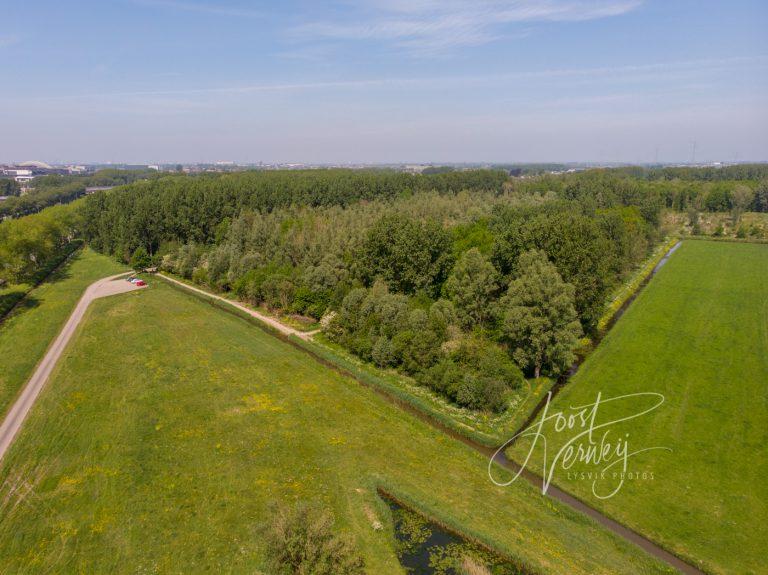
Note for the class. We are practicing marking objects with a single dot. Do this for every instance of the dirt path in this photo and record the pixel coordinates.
(20, 409)
(270, 321)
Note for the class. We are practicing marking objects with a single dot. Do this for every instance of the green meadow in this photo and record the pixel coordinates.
(698, 335)
(32, 326)
(170, 427)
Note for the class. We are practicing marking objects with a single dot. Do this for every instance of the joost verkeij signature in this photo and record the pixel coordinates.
(585, 439)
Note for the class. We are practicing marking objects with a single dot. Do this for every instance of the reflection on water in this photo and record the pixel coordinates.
(424, 548)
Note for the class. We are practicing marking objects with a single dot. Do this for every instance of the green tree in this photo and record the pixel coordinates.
(9, 187)
(472, 286)
(761, 197)
(741, 200)
(575, 243)
(140, 259)
(693, 220)
(539, 319)
(410, 255)
(718, 200)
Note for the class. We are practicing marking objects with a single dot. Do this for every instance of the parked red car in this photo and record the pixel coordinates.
(140, 283)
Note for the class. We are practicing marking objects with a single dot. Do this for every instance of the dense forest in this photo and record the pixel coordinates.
(700, 174)
(467, 281)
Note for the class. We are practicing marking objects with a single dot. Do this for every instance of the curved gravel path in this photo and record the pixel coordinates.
(17, 414)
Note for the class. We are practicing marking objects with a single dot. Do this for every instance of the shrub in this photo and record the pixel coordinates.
(383, 352)
(278, 291)
(311, 303)
(140, 259)
(302, 540)
(477, 375)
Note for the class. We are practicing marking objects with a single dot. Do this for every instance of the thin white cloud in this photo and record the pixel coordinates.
(9, 40)
(429, 27)
(216, 9)
(673, 69)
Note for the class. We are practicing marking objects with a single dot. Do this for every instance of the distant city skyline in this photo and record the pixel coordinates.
(384, 81)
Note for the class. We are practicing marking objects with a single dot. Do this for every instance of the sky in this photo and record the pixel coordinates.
(383, 81)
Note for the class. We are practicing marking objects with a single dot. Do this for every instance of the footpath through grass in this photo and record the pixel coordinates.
(698, 334)
(26, 334)
(170, 427)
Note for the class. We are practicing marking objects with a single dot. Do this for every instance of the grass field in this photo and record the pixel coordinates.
(26, 334)
(170, 427)
(698, 334)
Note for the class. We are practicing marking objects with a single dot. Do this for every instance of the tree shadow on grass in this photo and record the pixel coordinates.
(14, 303)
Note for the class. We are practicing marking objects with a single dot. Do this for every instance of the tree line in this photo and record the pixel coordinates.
(189, 209)
(33, 244)
(465, 281)
(737, 172)
(59, 189)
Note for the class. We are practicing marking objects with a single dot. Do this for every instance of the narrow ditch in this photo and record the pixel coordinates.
(424, 546)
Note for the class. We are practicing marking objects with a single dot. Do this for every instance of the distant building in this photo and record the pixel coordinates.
(15, 172)
(36, 166)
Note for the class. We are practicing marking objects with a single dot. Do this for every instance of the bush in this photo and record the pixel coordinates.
(383, 352)
(301, 540)
(394, 331)
(477, 392)
(140, 259)
(311, 303)
(278, 291)
(477, 375)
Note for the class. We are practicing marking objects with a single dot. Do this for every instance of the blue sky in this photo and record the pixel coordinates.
(383, 80)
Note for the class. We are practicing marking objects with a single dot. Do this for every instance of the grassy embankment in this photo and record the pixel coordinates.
(698, 334)
(28, 331)
(169, 428)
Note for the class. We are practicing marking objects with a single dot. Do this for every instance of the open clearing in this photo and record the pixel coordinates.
(170, 427)
(27, 333)
(698, 334)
